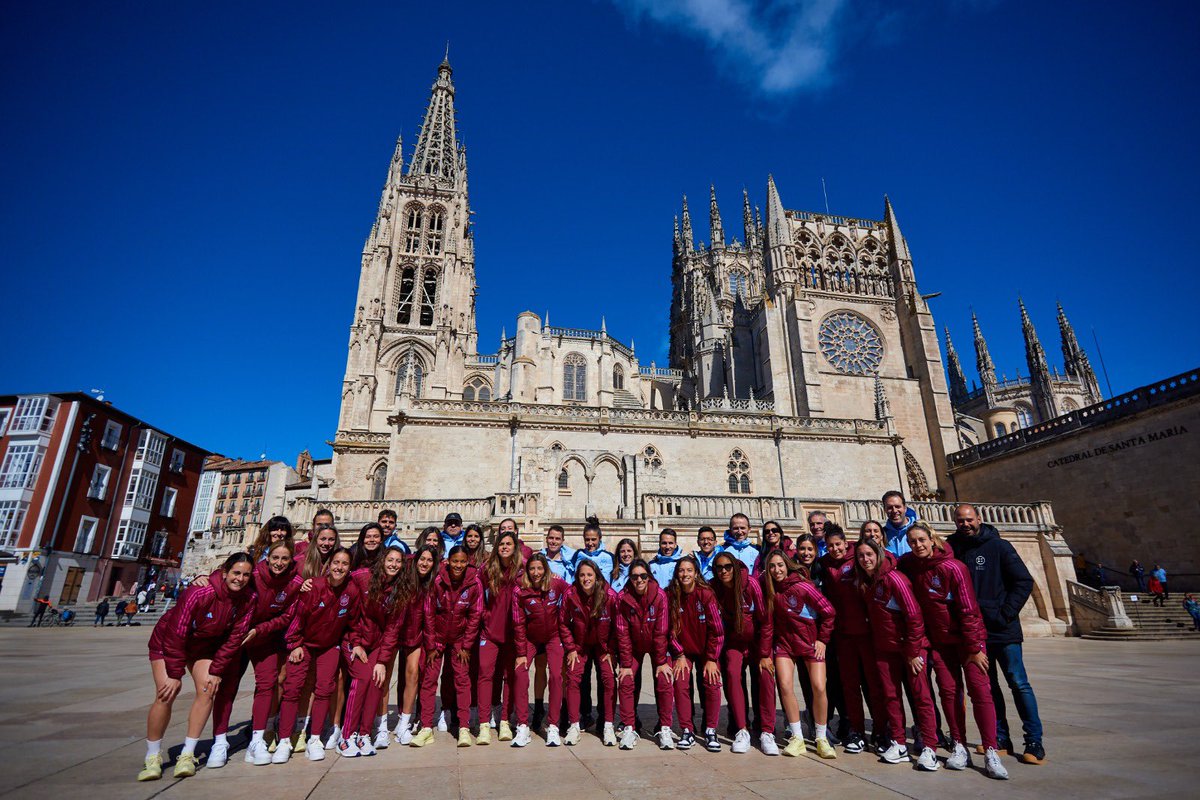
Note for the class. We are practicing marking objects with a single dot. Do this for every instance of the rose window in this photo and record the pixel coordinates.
(851, 344)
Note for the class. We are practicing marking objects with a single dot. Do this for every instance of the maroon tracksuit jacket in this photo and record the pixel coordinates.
(496, 622)
(756, 628)
(320, 616)
(842, 590)
(208, 622)
(946, 596)
(536, 613)
(897, 625)
(579, 631)
(700, 634)
(801, 617)
(452, 614)
(643, 625)
(378, 624)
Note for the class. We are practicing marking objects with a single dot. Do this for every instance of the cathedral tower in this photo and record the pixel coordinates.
(1039, 371)
(1075, 360)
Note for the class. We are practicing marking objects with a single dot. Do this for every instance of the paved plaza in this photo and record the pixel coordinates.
(1121, 722)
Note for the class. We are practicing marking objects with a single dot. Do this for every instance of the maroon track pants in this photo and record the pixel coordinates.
(362, 695)
(734, 662)
(325, 664)
(664, 694)
(860, 676)
(554, 678)
(460, 677)
(497, 663)
(575, 676)
(710, 694)
(894, 674)
(951, 673)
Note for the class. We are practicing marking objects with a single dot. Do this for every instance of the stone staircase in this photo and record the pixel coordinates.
(1150, 623)
(85, 613)
(623, 398)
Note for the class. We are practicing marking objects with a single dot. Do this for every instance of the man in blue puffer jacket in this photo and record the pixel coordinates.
(662, 566)
(737, 541)
(1002, 586)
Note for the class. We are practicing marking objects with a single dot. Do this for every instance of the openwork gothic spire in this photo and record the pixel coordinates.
(1075, 360)
(883, 409)
(437, 153)
(716, 231)
(958, 381)
(688, 240)
(749, 229)
(1039, 370)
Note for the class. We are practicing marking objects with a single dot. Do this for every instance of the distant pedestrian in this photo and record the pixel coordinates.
(1156, 591)
(39, 610)
(1139, 574)
(101, 613)
(131, 608)
(1161, 574)
(141, 600)
(1100, 576)
(1192, 606)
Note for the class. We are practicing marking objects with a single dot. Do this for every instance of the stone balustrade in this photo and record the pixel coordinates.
(1093, 609)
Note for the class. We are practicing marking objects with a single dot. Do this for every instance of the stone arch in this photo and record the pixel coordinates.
(918, 484)
(377, 479)
(607, 490)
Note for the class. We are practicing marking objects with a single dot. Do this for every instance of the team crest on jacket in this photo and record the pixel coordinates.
(463, 596)
(846, 569)
(344, 600)
(792, 601)
(282, 596)
(551, 596)
(980, 560)
(936, 582)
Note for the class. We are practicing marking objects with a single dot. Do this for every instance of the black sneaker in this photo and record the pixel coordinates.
(854, 743)
(686, 741)
(1034, 753)
(710, 742)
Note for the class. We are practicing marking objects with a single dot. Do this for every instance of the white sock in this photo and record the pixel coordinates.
(797, 729)
(221, 738)
(821, 729)
(256, 737)
(708, 731)
(405, 722)
(153, 748)
(189, 745)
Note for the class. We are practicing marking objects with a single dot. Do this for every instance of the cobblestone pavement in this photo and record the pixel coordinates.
(1122, 720)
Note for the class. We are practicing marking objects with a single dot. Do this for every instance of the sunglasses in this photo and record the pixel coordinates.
(774, 530)
(723, 567)
(639, 576)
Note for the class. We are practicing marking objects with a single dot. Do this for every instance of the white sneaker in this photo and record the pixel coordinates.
(442, 725)
(766, 743)
(382, 739)
(335, 736)
(960, 758)
(665, 740)
(283, 751)
(992, 766)
(895, 754)
(552, 737)
(523, 737)
(741, 742)
(629, 738)
(348, 748)
(928, 760)
(218, 755)
(365, 747)
(404, 734)
(572, 737)
(610, 735)
(257, 754)
(315, 749)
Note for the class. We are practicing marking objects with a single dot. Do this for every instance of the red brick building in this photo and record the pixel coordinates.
(93, 500)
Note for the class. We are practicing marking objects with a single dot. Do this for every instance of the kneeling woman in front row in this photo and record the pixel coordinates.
(201, 635)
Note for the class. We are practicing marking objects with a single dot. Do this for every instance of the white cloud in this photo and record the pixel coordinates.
(777, 46)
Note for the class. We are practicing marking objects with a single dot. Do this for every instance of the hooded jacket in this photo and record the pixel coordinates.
(765, 550)
(579, 631)
(744, 551)
(662, 568)
(706, 562)
(897, 625)
(643, 625)
(800, 617)
(756, 624)
(1001, 581)
(842, 590)
(275, 594)
(320, 616)
(496, 623)
(452, 614)
(564, 569)
(601, 558)
(450, 542)
(947, 599)
(209, 622)
(394, 540)
(536, 614)
(897, 537)
(378, 624)
(620, 579)
(699, 633)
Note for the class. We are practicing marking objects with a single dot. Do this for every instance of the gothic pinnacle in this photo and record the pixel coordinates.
(715, 228)
(777, 231)
(748, 228)
(688, 239)
(958, 381)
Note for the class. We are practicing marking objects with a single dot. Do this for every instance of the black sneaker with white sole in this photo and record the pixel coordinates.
(710, 742)
(686, 741)
(854, 743)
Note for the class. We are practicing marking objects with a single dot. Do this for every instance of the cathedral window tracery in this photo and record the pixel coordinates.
(739, 284)
(428, 296)
(574, 378)
(738, 469)
(418, 375)
(413, 222)
(379, 482)
(433, 233)
(850, 344)
(406, 286)
(564, 481)
(1024, 415)
(477, 389)
(618, 377)
(651, 458)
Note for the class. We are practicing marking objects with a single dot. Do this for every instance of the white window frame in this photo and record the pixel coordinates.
(5, 414)
(32, 415)
(21, 465)
(167, 507)
(131, 538)
(151, 446)
(140, 492)
(101, 477)
(112, 435)
(85, 545)
(178, 459)
(12, 515)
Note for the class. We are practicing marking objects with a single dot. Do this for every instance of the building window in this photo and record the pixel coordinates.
(4, 415)
(1000, 429)
(412, 229)
(1024, 416)
(142, 485)
(574, 378)
(131, 536)
(738, 469)
(477, 389)
(433, 235)
(405, 287)
(158, 544)
(12, 514)
(98, 488)
(564, 481)
(167, 509)
(112, 435)
(379, 482)
(418, 376)
(151, 447)
(618, 377)
(21, 465)
(33, 415)
(738, 284)
(85, 537)
(651, 458)
(428, 296)
(177, 459)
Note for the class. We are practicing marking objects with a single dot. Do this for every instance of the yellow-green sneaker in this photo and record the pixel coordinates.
(464, 737)
(824, 749)
(422, 738)
(484, 737)
(185, 765)
(795, 747)
(152, 769)
(506, 733)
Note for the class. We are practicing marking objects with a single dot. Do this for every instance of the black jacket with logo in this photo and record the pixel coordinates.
(1002, 583)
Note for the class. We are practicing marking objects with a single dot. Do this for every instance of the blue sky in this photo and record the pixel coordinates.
(186, 189)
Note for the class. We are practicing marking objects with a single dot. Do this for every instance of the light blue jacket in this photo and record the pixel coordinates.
(897, 538)
(743, 551)
(706, 564)
(618, 583)
(450, 542)
(395, 541)
(564, 569)
(662, 568)
(601, 558)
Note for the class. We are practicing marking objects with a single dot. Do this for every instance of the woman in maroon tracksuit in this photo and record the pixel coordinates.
(747, 646)
(644, 628)
(773, 539)
(369, 645)
(200, 635)
(852, 636)
(322, 520)
(497, 647)
(954, 625)
(276, 586)
(801, 622)
(319, 619)
(453, 608)
(537, 604)
(423, 568)
(586, 629)
(901, 650)
(695, 645)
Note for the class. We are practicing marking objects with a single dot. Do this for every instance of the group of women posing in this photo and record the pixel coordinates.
(325, 627)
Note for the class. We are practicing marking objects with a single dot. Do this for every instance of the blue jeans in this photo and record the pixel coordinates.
(1007, 658)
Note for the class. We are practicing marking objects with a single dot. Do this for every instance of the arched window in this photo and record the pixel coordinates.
(1024, 416)
(564, 480)
(418, 376)
(433, 234)
(738, 468)
(477, 389)
(428, 296)
(651, 457)
(618, 377)
(738, 284)
(413, 222)
(574, 378)
(406, 285)
(379, 482)
(1069, 404)
(1000, 429)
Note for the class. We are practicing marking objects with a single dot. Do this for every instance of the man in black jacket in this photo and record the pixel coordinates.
(1002, 585)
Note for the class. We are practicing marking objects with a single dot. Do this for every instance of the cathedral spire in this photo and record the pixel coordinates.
(883, 409)
(716, 231)
(437, 152)
(750, 231)
(1075, 360)
(958, 381)
(983, 362)
(689, 243)
(1039, 371)
(777, 232)
(899, 244)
